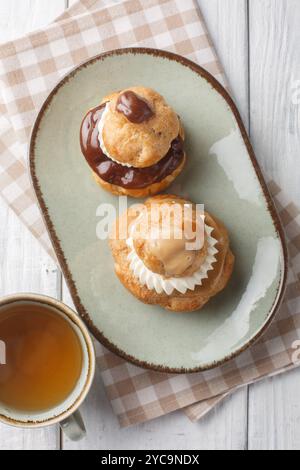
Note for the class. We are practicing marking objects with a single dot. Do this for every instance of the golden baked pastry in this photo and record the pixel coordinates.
(140, 144)
(133, 141)
(161, 270)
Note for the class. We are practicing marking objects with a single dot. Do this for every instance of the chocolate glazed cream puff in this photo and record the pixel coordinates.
(133, 142)
(168, 270)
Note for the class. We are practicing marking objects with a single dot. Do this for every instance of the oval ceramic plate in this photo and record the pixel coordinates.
(221, 172)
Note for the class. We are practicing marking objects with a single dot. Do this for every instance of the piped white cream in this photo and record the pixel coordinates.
(156, 282)
(101, 140)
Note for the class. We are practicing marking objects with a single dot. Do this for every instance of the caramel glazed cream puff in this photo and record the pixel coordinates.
(133, 141)
(166, 271)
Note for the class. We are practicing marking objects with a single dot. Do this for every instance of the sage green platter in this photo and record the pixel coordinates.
(221, 172)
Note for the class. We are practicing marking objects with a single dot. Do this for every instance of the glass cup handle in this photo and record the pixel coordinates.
(74, 427)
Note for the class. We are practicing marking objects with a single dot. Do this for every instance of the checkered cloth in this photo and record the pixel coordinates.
(29, 68)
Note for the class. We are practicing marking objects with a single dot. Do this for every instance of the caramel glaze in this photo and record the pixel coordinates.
(119, 175)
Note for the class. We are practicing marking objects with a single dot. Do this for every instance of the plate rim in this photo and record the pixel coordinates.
(56, 242)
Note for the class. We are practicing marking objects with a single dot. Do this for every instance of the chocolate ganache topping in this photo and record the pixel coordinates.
(134, 108)
(119, 175)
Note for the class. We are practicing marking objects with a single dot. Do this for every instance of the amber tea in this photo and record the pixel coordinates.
(43, 356)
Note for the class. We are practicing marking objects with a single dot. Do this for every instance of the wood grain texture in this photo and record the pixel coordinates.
(274, 413)
(227, 22)
(274, 65)
(274, 407)
(18, 17)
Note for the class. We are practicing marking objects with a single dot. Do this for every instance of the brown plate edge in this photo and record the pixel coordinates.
(56, 243)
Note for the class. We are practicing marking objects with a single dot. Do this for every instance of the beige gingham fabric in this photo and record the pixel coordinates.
(29, 68)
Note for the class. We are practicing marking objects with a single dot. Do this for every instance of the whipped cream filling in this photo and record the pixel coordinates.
(101, 141)
(156, 282)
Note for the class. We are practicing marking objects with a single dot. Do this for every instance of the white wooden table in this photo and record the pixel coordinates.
(258, 43)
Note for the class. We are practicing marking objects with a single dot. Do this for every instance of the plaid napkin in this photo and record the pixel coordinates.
(29, 68)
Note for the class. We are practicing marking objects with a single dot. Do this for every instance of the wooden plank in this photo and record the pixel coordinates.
(225, 427)
(228, 27)
(275, 65)
(274, 408)
(274, 413)
(18, 17)
(24, 265)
